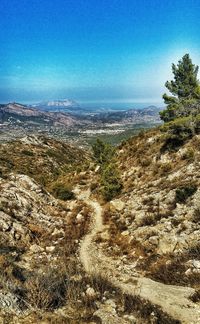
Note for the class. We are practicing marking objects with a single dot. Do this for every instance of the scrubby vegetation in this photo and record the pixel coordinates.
(183, 193)
(180, 130)
(43, 159)
(62, 191)
(104, 154)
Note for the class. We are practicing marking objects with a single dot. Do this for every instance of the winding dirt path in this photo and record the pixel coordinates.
(174, 300)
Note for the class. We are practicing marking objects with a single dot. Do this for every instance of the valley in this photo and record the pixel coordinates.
(67, 254)
(99, 162)
(76, 125)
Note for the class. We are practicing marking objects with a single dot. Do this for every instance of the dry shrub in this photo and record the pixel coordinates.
(148, 219)
(116, 239)
(169, 273)
(145, 162)
(36, 230)
(101, 284)
(75, 230)
(196, 296)
(170, 269)
(189, 154)
(196, 215)
(46, 291)
(3, 262)
(165, 168)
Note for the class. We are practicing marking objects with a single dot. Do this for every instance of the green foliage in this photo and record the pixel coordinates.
(185, 83)
(103, 152)
(183, 193)
(180, 130)
(110, 182)
(185, 90)
(189, 154)
(62, 191)
(28, 153)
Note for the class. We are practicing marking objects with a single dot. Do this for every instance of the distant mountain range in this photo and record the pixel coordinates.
(57, 105)
(46, 114)
(148, 114)
(94, 113)
(18, 113)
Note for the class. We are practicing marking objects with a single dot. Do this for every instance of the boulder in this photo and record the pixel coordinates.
(117, 204)
(36, 248)
(80, 218)
(167, 244)
(90, 292)
(50, 248)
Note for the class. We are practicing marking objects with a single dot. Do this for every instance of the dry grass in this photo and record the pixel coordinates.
(47, 290)
(170, 269)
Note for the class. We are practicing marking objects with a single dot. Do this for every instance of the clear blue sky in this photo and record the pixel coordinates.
(108, 50)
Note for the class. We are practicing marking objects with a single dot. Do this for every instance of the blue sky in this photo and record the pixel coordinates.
(94, 50)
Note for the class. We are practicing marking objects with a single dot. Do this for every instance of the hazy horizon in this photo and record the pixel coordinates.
(112, 105)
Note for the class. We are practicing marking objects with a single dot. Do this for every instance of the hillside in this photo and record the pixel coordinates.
(42, 158)
(79, 126)
(158, 212)
(18, 113)
(80, 259)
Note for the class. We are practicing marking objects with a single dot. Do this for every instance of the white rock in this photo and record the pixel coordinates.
(97, 168)
(167, 244)
(50, 248)
(130, 318)
(117, 204)
(57, 232)
(196, 264)
(36, 248)
(90, 292)
(188, 272)
(153, 240)
(111, 303)
(80, 218)
(125, 233)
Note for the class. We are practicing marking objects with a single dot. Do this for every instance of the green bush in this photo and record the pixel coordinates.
(110, 181)
(28, 153)
(103, 152)
(62, 191)
(183, 193)
(189, 154)
(180, 130)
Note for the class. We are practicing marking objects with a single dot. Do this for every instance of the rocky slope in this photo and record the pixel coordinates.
(170, 302)
(135, 259)
(42, 158)
(19, 113)
(155, 224)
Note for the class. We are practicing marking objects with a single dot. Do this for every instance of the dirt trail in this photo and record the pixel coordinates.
(174, 300)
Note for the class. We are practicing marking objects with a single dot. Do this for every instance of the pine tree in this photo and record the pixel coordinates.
(103, 152)
(110, 182)
(185, 89)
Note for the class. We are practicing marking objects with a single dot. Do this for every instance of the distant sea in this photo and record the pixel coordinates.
(107, 106)
(117, 105)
